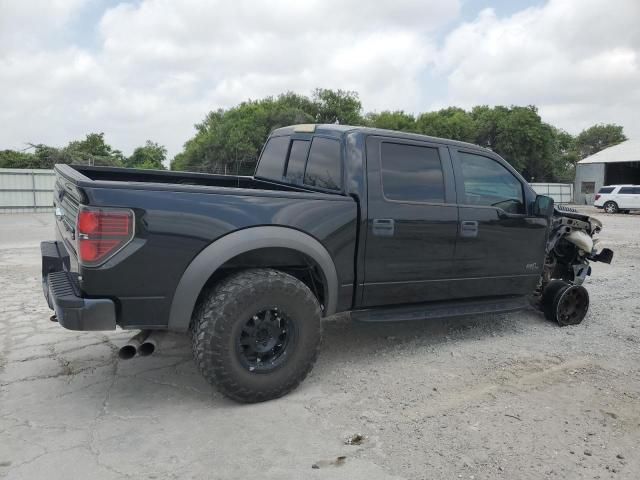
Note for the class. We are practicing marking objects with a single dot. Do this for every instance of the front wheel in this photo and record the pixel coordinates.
(256, 334)
(611, 207)
(565, 303)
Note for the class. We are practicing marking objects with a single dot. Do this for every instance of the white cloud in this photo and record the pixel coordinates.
(160, 66)
(579, 61)
(151, 69)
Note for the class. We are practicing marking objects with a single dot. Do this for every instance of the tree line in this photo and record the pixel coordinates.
(93, 150)
(229, 140)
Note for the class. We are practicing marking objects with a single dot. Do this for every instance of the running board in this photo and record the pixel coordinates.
(428, 311)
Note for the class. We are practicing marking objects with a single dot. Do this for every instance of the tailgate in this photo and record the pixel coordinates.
(66, 200)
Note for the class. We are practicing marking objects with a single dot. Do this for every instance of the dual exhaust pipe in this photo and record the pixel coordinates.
(143, 343)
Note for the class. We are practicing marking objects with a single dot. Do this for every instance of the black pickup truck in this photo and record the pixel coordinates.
(387, 225)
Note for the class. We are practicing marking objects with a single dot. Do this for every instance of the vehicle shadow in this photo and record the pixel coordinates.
(344, 342)
(359, 339)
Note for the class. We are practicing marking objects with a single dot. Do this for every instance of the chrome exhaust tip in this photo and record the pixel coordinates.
(150, 344)
(132, 347)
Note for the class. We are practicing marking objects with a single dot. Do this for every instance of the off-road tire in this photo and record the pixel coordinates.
(611, 207)
(222, 312)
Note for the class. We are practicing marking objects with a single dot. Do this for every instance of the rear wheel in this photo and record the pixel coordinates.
(611, 207)
(256, 334)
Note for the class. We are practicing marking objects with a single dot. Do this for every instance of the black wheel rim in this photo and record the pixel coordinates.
(265, 340)
(572, 306)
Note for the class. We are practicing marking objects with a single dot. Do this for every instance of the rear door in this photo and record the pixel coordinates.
(412, 224)
(501, 246)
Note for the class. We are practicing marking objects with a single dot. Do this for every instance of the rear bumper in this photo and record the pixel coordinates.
(62, 293)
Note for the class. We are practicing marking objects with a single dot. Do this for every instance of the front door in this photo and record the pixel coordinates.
(628, 197)
(500, 247)
(412, 222)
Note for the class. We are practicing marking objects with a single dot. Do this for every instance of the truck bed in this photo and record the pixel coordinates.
(177, 215)
(129, 175)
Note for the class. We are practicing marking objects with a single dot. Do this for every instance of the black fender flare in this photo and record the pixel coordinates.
(224, 249)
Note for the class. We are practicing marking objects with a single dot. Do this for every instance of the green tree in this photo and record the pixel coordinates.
(229, 141)
(453, 122)
(151, 156)
(16, 159)
(342, 106)
(565, 155)
(520, 136)
(41, 156)
(396, 120)
(598, 137)
(93, 150)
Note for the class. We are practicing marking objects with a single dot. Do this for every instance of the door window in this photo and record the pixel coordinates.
(411, 173)
(487, 183)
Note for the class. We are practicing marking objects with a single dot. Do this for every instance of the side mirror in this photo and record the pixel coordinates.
(543, 206)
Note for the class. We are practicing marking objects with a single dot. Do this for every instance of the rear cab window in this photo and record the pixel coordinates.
(314, 162)
(272, 160)
(324, 167)
(297, 161)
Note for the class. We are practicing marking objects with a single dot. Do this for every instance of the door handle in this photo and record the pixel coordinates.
(383, 227)
(469, 229)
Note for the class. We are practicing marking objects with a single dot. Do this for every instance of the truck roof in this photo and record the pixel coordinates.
(338, 130)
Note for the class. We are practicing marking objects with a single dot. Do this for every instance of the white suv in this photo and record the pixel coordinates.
(618, 198)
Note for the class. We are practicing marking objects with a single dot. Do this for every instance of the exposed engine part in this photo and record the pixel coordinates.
(580, 273)
(570, 248)
(581, 239)
(564, 208)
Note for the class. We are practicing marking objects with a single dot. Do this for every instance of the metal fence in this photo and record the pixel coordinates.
(560, 192)
(26, 190)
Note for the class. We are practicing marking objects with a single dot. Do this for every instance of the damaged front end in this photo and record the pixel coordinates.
(570, 248)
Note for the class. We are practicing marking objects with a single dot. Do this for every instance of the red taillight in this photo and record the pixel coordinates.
(597, 196)
(102, 232)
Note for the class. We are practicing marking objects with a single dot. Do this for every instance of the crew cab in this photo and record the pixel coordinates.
(387, 225)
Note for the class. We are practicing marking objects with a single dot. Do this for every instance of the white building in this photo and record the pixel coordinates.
(615, 165)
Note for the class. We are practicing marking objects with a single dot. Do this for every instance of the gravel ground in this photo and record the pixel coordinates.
(508, 396)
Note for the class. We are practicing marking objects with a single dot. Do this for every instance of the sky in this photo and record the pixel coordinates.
(151, 69)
